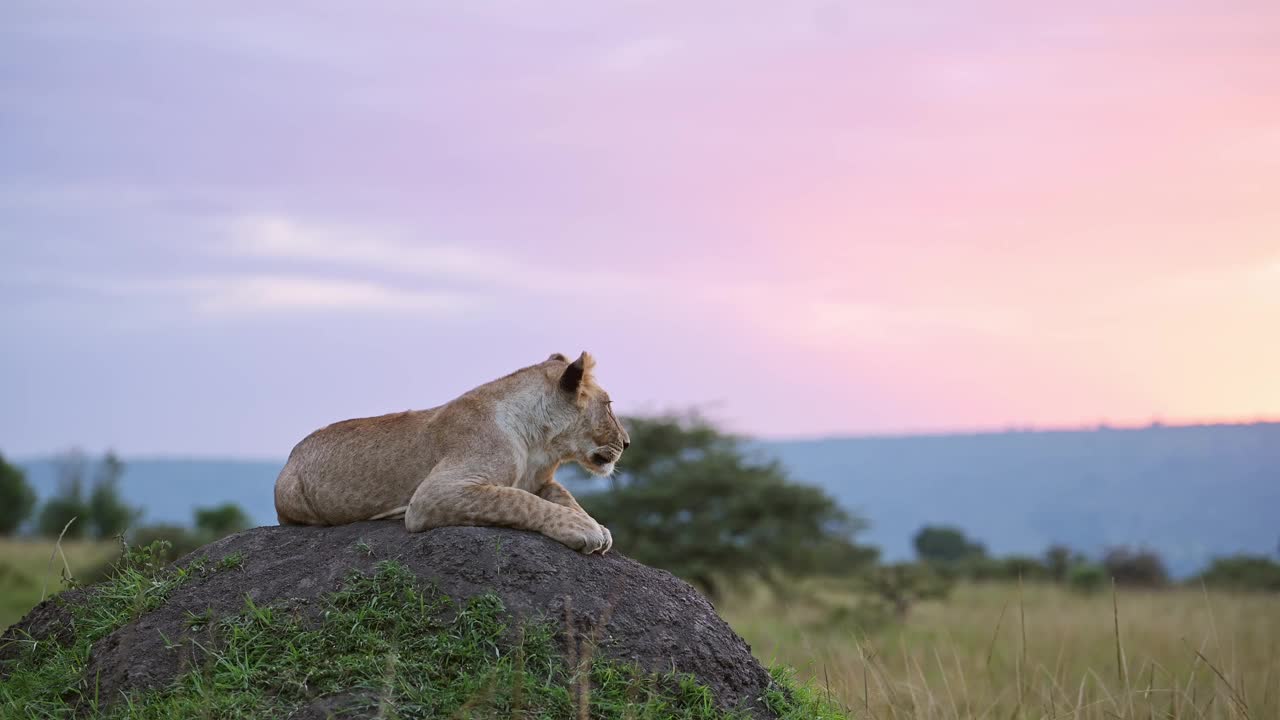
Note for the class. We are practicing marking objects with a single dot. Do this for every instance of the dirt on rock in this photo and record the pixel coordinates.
(638, 614)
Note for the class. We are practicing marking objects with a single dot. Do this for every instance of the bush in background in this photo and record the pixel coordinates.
(17, 499)
(901, 585)
(1243, 572)
(221, 521)
(1086, 577)
(946, 545)
(1135, 568)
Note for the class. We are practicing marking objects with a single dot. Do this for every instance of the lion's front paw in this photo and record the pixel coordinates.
(585, 535)
(608, 540)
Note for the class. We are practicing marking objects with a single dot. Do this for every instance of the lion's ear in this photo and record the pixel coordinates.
(558, 356)
(573, 375)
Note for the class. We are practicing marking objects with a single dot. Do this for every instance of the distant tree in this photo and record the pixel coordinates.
(1137, 568)
(68, 502)
(1243, 572)
(901, 585)
(946, 545)
(1059, 559)
(16, 497)
(222, 520)
(689, 499)
(108, 515)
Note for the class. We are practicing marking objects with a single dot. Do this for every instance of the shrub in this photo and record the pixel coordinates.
(1086, 577)
(1243, 572)
(221, 521)
(59, 511)
(901, 585)
(1135, 568)
(943, 544)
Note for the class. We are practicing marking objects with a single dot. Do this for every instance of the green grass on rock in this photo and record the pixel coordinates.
(383, 642)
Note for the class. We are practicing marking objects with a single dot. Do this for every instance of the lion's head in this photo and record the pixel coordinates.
(595, 439)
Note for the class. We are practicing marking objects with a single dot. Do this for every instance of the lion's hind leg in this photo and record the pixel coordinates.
(292, 505)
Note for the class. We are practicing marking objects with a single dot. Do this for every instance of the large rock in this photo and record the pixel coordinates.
(649, 617)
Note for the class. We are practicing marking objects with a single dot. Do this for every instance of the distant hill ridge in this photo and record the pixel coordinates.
(1189, 492)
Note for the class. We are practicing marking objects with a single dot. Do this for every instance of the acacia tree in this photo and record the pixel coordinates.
(691, 499)
(108, 514)
(16, 497)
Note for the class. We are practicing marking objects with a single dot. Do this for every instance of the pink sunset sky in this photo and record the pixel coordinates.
(224, 226)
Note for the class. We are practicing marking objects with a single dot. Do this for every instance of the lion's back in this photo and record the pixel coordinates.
(351, 469)
(355, 469)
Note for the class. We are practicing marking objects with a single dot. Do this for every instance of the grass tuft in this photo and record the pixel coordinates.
(232, 561)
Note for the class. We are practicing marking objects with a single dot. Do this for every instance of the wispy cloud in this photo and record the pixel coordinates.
(394, 250)
(283, 293)
(790, 309)
(290, 238)
(253, 293)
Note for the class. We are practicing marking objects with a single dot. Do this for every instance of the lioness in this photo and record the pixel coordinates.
(486, 458)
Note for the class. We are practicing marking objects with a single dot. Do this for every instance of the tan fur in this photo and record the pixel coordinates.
(486, 458)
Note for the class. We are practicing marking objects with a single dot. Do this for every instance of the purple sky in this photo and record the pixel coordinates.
(223, 227)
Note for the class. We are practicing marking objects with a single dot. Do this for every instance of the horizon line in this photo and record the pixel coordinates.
(1029, 429)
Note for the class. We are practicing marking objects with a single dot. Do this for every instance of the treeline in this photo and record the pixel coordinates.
(88, 504)
(954, 554)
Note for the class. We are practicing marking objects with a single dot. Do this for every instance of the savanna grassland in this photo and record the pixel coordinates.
(30, 567)
(1040, 651)
(989, 651)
